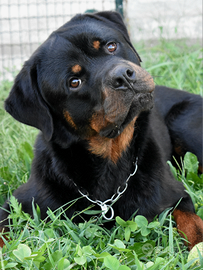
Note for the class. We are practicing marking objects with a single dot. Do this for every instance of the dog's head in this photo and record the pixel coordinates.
(83, 83)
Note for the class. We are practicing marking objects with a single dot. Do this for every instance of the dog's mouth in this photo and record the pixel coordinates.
(140, 102)
(111, 131)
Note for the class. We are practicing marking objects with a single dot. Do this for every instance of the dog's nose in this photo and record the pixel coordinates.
(123, 78)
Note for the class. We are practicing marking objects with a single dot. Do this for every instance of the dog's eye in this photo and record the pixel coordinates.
(112, 46)
(74, 83)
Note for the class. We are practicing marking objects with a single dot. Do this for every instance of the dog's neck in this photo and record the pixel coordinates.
(111, 157)
(112, 149)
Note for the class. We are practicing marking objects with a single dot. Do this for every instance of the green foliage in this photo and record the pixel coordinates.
(134, 244)
(58, 243)
(5, 86)
(173, 64)
(61, 244)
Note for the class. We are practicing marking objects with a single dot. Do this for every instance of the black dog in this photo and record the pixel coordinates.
(102, 135)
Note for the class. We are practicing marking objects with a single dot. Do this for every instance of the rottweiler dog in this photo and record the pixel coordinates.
(106, 131)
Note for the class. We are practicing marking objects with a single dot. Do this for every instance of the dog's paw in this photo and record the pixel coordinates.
(190, 226)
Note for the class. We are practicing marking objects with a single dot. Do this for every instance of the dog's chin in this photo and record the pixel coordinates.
(114, 130)
(111, 131)
(140, 103)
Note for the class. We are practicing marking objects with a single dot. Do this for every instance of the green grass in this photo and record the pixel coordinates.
(174, 64)
(135, 244)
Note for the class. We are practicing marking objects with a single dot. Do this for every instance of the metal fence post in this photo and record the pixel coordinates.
(119, 6)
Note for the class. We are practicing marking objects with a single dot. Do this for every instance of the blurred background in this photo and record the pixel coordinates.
(25, 24)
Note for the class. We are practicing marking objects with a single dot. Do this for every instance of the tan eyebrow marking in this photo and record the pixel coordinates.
(96, 44)
(76, 68)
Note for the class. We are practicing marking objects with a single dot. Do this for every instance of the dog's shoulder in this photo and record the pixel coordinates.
(169, 101)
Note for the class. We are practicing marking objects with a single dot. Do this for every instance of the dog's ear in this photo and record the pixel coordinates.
(26, 104)
(114, 18)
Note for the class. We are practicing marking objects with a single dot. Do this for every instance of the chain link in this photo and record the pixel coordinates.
(106, 206)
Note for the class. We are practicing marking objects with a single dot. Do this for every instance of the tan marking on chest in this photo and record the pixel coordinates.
(76, 68)
(69, 119)
(112, 148)
(96, 44)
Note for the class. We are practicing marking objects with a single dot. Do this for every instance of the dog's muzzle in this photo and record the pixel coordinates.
(127, 91)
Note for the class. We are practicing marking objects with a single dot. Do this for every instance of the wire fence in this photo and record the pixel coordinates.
(25, 24)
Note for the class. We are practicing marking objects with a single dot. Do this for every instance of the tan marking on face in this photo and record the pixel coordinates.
(112, 148)
(96, 44)
(98, 121)
(116, 104)
(76, 68)
(144, 80)
(113, 111)
(69, 119)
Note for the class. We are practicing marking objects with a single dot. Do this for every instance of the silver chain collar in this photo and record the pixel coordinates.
(107, 205)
